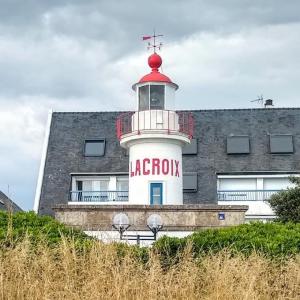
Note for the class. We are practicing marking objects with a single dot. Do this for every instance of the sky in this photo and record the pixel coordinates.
(85, 55)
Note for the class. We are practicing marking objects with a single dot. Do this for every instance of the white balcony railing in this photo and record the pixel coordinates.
(169, 122)
(98, 196)
(245, 195)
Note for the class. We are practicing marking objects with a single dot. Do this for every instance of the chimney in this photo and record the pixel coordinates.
(268, 103)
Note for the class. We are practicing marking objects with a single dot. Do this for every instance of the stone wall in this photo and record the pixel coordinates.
(175, 217)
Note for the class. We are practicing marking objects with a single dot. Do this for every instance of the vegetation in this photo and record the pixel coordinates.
(286, 204)
(63, 273)
(273, 240)
(15, 227)
(39, 259)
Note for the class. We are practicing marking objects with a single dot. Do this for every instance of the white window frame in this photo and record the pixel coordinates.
(112, 186)
(148, 84)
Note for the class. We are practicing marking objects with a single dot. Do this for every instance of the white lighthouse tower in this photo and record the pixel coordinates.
(154, 135)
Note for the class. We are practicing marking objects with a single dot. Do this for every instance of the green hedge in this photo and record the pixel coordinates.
(14, 227)
(270, 239)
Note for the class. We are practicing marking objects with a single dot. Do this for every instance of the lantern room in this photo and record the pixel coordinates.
(155, 91)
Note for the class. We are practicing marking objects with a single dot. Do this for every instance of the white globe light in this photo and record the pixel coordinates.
(154, 221)
(120, 220)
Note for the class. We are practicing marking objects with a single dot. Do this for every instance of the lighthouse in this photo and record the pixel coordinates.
(154, 136)
(112, 205)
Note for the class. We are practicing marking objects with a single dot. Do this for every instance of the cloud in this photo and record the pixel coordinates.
(85, 55)
(227, 71)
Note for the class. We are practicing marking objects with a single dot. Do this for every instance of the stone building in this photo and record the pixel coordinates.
(237, 156)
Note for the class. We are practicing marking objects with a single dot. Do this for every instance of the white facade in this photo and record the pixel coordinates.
(155, 160)
(155, 157)
(99, 189)
(253, 190)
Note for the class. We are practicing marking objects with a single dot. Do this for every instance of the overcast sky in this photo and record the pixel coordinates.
(85, 55)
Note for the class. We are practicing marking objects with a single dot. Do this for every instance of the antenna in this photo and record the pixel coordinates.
(260, 99)
(153, 45)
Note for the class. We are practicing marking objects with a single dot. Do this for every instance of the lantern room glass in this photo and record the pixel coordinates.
(144, 97)
(152, 97)
(157, 96)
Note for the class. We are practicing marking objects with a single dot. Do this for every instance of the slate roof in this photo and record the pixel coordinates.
(69, 130)
(7, 204)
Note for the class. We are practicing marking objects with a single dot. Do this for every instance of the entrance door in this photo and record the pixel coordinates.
(156, 190)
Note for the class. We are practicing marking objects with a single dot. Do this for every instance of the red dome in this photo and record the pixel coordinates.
(154, 62)
(156, 77)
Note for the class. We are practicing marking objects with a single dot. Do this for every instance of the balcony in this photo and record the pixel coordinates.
(151, 121)
(246, 195)
(99, 196)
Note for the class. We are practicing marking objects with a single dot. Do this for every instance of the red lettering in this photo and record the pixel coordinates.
(137, 167)
(155, 165)
(177, 168)
(165, 166)
(131, 172)
(146, 160)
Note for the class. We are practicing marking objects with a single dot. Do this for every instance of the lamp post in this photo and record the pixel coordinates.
(121, 224)
(155, 224)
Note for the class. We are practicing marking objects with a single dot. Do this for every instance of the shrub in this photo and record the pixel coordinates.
(286, 204)
(15, 227)
(270, 239)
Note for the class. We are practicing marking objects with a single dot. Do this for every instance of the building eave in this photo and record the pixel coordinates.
(43, 163)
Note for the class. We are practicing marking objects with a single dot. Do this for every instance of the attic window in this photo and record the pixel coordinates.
(190, 182)
(238, 144)
(281, 143)
(95, 147)
(190, 148)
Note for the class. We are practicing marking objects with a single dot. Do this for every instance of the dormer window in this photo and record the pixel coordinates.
(152, 97)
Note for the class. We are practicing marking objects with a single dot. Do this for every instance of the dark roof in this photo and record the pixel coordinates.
(7, 204)
(69, 130)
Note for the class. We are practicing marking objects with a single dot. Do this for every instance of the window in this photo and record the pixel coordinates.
(281, 143)
(190, 182)
(90, 190)
(151, 97)
(99, 188)
(90, 185)
(238, 144)
(190, 148)
(157, 97)
(144, 97)
(122, 184)
(251, 187)
(100, 185)
(94, 147)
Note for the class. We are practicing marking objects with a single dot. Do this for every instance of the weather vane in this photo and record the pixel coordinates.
(153, 45)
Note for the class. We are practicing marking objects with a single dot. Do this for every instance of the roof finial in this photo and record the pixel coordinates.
(153, 45)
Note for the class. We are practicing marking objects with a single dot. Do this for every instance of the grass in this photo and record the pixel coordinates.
(101, 272)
